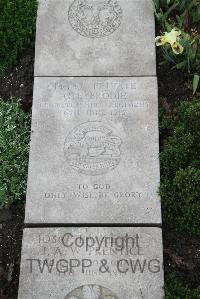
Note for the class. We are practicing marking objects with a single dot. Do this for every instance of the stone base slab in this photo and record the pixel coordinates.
(91, 263)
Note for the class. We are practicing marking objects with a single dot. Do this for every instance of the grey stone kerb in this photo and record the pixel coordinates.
(94, 155)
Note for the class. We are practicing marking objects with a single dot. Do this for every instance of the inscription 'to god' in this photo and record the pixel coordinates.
(95, 18)
(91, 292)
(92, 148)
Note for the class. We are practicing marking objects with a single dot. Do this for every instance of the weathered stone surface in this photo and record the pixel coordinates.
(95, 38)
(94, 151)
(91, 263)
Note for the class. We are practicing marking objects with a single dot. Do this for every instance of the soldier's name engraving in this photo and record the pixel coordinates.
(60, 252)
(93, 90)
(101, 95)
(93, 85)
(92, 99)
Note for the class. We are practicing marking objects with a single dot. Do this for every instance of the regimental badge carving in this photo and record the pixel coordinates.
(92, 148)
(95, 18)
(91, 292)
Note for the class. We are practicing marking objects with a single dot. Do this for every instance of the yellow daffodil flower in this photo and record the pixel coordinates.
(172, 38)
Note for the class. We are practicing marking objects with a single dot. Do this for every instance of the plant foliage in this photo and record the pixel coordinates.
(186, 10)
(17, 29)
(180, 168)
(175, 289)
(183, 16)
(14, 140)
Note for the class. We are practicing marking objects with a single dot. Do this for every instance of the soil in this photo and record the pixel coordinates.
(10, 251)
(18, 82)
(181, 250)
(173, 85)
(182, 255)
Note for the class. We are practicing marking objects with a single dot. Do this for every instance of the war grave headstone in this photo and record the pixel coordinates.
(91, 263)
(95, 38)
(94, 151)
(94, 155)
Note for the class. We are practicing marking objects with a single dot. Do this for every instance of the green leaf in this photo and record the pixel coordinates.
(181, 65)
(195, 83)
(156, 3)
(170, 9)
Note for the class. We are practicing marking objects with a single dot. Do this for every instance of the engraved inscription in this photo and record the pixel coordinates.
(95, 19)
(92, 148)
(94, 100)
(91, 292)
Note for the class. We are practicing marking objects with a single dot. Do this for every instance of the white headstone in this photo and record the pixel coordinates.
(95, 38)
(94, 154)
